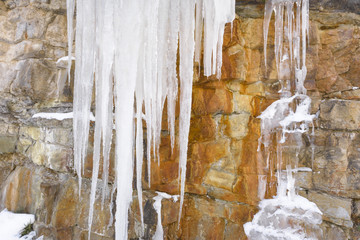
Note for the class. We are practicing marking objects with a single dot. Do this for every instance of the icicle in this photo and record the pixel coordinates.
(187, 44)
(85, 40)
(139, 148)
(172, 80)
(104, 99)
(199, 29)
(128, 19)
(70, 7)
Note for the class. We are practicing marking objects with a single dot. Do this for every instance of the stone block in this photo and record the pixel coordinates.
(242, 103)
(211, 101)
(53, 156)
(23, 191)
(202, 129)
(8, 74)
(340, 114)
(236, 125)
(234, 65)
(253, 32)
(8, 144)
(334, 232)
(36, 79)
(66, 209)
(234, 231)
(56, 32)
(26, 49)
(255, 62)
(219, 179)
(254, 89)
(336, 210)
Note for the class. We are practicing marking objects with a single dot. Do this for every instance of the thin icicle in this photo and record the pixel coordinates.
(139, 147)
(104, 99)
(70, 7)
(199, 21)
(172, 79)
(85, 40)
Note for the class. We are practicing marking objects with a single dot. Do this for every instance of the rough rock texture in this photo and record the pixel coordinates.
(36, 160)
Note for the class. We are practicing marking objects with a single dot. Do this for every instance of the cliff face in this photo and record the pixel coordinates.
(36, 161)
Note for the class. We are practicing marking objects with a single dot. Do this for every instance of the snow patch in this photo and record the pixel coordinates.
(11, 225)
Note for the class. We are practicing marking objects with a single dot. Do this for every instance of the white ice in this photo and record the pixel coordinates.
(159, 233)
(288, 115)
(130, 50)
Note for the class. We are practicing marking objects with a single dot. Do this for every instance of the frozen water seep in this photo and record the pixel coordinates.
(290, 115)
(288, 215)
(129, 49)
(284, 219)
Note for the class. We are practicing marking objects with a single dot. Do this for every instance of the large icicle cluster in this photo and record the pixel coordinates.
(288, 215)
(129, 49)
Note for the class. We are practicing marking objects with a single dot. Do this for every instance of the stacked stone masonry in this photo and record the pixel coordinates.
(36, 160)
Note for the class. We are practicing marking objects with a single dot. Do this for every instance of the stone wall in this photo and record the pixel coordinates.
(36, 161)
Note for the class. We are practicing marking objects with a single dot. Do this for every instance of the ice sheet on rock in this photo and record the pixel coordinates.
(288, 214)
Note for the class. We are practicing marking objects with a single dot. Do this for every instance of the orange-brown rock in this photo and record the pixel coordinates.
(211, 101)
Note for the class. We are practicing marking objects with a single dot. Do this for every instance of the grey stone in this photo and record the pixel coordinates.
(340, 114)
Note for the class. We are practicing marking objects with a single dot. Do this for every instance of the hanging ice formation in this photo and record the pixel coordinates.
(289, 116)
(288, 214)
(129, 49)
(159, 233)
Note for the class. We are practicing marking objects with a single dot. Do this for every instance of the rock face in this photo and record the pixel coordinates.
(224, 172)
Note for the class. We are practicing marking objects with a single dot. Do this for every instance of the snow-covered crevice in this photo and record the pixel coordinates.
(286, 120)
(129, 49)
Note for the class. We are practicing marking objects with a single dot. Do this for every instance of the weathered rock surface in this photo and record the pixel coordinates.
(222, 190)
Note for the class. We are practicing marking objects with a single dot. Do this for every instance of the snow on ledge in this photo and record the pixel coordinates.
(64, 59)
(58, 116)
